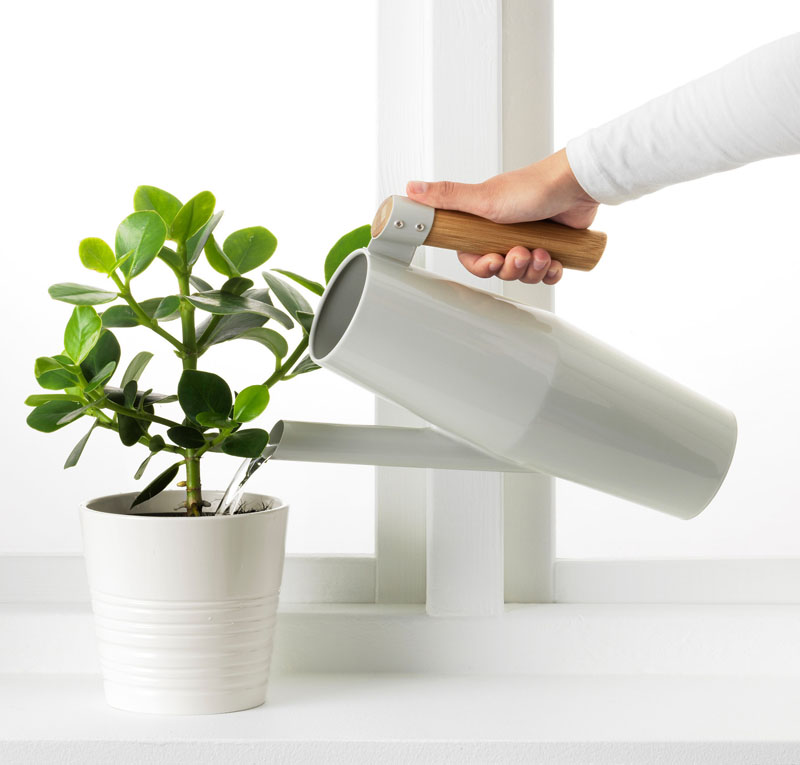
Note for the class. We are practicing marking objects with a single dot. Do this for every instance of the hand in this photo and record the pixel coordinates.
(546, 189)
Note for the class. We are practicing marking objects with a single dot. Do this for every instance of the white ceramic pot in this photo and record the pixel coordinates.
(185, 608)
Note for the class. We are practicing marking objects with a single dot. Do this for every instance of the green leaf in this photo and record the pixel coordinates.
(314, 287)
(82, 332)
(187, 437)
(119, 261)
(152, 198)
(157, 485)
(80, 294)
(248, 248)
(192, 216)
(46, 417)
(105, 351)
(101, 376)
(353, 240)
(203, 392)
(246, 443)
(218, 260)
(200, 284)
(130, 429)
(129, 391)
(156, 444)
(43, 398)
(76, 452)
(304, 365)
(51, 374)
(269, 338)
(142, 401)
(237, 285)
(197, 241)
(232, 325)
(218, 302)
(140, 470)
(211, 420)
(250, 403)
(143, 398)
(144, 233)
(290, 298)
(171, 258)
(120, 316)
(136, 367)
(169, 308)
(305, 320)
(79, 412)
(96, 255)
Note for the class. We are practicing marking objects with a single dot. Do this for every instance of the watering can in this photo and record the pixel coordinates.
(505, 386)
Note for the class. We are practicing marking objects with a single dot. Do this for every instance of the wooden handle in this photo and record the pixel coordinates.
(574, 248)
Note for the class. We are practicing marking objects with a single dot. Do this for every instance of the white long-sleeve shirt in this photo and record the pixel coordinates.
(745, 111)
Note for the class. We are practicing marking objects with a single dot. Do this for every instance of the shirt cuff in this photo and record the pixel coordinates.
(589, 174)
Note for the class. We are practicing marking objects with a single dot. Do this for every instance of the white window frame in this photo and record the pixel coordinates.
(465, 92)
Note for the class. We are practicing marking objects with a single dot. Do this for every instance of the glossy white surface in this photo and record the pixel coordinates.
(379, 445)
(184, 607)
(522, 384)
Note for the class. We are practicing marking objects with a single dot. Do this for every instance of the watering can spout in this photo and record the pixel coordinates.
(381, 445)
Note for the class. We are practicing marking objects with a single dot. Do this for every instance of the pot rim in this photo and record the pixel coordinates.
(85, 507)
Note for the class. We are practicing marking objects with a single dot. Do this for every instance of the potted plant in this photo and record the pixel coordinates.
(184, 599)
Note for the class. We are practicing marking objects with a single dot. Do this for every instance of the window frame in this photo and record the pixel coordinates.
(504, 552)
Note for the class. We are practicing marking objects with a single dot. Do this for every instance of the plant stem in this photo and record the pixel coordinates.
(194, 497)
(145, 440)
(136, 415)
(144, 319)
(209, 331)
(211, 444)
(281, 371)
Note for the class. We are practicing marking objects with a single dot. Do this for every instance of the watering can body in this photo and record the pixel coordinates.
(516, 383)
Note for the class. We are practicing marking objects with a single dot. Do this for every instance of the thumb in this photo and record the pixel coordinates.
(446, 195)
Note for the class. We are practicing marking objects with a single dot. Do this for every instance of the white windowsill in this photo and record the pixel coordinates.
(356, 718)
(361, 683)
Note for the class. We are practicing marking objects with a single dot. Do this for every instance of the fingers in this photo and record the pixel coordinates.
(481, 265)
(540, 264)
(516, 264)
(554, 273)
(447, 195)
(519, 263)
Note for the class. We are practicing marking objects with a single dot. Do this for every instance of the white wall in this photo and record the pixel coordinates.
(270, 105)
(699, 280)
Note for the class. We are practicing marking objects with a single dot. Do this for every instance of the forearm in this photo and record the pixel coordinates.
(746, 111)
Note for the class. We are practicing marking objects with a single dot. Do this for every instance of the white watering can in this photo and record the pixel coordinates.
(506, 387)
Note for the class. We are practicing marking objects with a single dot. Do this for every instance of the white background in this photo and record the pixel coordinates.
(699, 280)
(272, 107)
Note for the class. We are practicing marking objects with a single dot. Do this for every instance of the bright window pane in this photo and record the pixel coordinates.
(699, 280)
(269, 105)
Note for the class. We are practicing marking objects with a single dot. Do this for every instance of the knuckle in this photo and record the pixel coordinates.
(446, 189)
(489, 203)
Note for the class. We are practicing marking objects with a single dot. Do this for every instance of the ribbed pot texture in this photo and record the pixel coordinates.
(185, 608)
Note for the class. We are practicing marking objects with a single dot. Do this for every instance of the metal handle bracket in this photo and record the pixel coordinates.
(400, 226)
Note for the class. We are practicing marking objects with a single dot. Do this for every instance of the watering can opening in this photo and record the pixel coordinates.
(338, 305)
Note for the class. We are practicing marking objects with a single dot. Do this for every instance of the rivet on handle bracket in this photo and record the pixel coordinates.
(399, 227)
